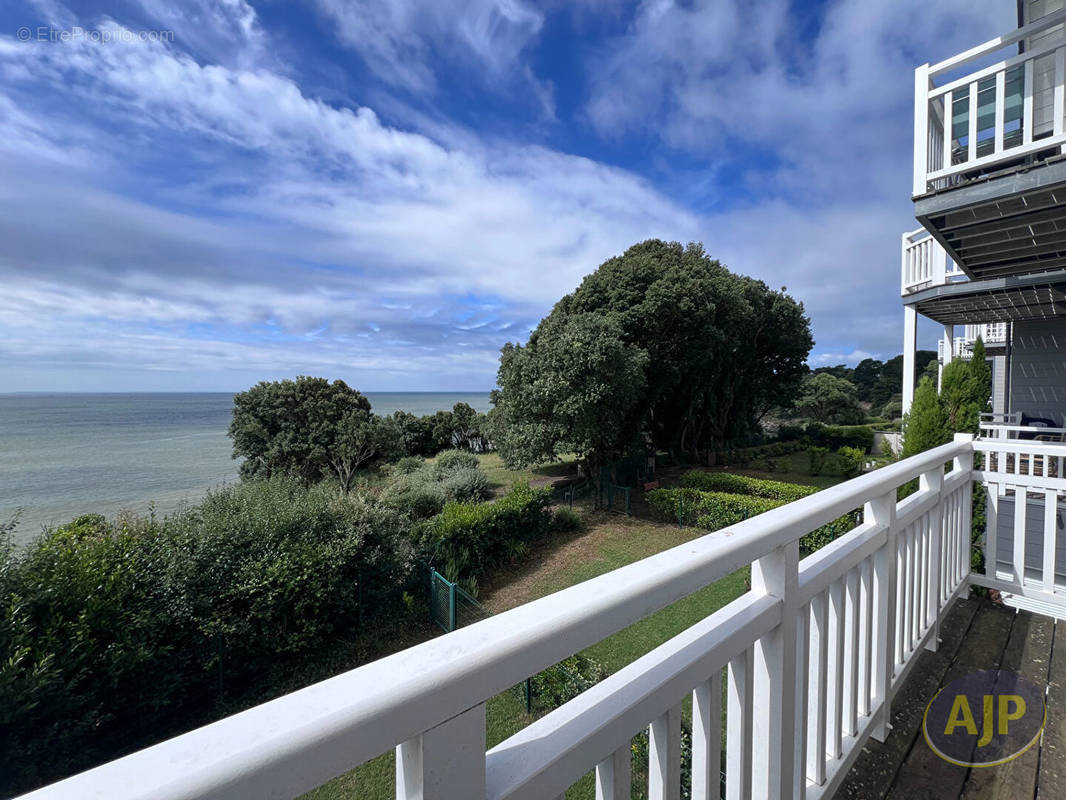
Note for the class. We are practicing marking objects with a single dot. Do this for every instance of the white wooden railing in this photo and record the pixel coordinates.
(1025, 553)
(994, 115)
(925, 263)
(811, 657)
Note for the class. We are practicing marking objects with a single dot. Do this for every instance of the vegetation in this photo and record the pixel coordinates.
(877, 383)
(742, 484)
(115, 634)
(649, 348)
(825, 397)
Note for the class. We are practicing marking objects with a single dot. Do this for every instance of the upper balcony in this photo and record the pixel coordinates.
(989, 177)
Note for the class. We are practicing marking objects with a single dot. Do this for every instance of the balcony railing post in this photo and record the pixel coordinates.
(445, 762)
(933, 480)
(774, 726)
(882, 511)
(964, 462)
(921, 128)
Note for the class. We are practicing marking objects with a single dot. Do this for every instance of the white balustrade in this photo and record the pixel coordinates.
(925, 263)
(986, 118)
(810, 658)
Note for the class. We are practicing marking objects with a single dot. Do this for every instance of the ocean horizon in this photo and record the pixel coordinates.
(63, 454)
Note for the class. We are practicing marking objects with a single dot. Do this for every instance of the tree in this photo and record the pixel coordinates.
(575, 387)
(965, 387)
(925, 426)
(360, 439)
(827, 398)
(306, 428)
(705, 354)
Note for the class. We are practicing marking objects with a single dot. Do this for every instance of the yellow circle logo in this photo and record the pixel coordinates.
(985, 718)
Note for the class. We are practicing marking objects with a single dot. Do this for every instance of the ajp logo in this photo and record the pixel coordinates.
(985, 718)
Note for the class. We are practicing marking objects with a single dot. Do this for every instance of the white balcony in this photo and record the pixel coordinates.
(925, 264)
(823, 644)
(992, 335)
(993, 116)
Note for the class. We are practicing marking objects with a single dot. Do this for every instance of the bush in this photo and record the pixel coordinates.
(408, 465)
(742, 484)
(466, 485)
(565, 520)
(467, 539)
(851, 460)
(817, 459)
(416, 495)
(564, 681)
(450, 460)
(837, 436)
(114, 634)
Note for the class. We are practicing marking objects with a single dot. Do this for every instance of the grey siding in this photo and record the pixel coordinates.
(1038, 369)
(1034, 538)
(999, 384)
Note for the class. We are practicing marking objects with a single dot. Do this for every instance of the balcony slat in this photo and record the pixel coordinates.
(1051, 529)
(664, 756)
(1020, 497)
(614, 778)
(817, 696)
(707, 739)
(738, 727)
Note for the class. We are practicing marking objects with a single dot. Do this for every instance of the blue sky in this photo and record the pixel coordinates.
(386, 192)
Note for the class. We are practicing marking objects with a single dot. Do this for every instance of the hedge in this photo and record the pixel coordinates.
(836, 436)
(467, 539)
(714, 510)
(742, 484)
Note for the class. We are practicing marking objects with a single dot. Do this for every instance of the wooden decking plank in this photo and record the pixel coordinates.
(875, 769)
(924, 774)
(1051, 780)
(1027, 653)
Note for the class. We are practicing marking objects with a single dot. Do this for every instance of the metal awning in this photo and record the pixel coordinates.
(1009, 223)
(1035, 296)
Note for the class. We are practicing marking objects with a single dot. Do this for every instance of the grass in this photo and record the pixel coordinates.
(606, 542)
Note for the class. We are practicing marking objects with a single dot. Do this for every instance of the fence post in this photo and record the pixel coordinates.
(882, 511)
(451, 606)
(774, 767)
(445, 762)
(964, 461)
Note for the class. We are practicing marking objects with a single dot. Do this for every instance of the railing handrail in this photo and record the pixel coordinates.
(992, 45)
(297, 742)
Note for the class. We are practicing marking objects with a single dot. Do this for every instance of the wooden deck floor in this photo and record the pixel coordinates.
(976, 635)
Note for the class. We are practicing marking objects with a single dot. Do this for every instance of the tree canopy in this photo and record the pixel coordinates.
(661, 345)
(826, 398)
(308, 429)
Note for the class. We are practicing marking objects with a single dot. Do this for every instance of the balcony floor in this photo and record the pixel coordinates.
(976, 635)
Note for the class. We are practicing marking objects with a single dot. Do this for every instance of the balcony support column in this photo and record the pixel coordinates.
(949, 349)
(910, 347)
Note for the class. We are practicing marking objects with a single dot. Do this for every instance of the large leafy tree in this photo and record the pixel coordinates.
(306, 428)
(827, 398)
(660, 343)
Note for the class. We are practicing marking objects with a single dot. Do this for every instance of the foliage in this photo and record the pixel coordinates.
(742, 484)
(466, 484)
(564, 681)
(715, 510)
(307, 429)
(660, 343)
(828, 398)
(566, 520)
(850, 460)
(450, 460)
(117, 633)
(925, 426)
(834, 437)
(965, 389)
(467, 539)
(876, 382)
(817, 457)
(408, 465)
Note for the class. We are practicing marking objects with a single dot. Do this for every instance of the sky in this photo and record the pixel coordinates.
(197, 196)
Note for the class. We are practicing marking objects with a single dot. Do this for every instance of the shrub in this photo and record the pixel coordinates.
(836, 436)
(114, 634)
(467, 539)
(466, 485)
(817, 458)
(851, 460)
(450, 460)
(566, 519)
(408, 465)
(416, 495)
(564, 681)
(742, 484)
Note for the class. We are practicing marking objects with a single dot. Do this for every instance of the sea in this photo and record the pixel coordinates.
(62, 455)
